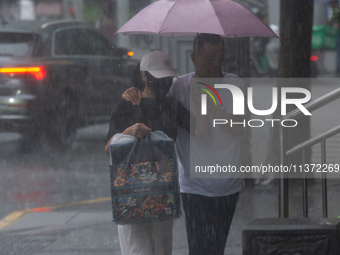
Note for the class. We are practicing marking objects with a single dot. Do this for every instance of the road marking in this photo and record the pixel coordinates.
(14, 216)
(11, 218)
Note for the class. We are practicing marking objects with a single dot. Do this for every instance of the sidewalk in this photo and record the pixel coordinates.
(88, 228)
(71, 233)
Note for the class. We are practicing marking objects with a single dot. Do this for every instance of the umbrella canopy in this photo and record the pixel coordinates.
(174, 18)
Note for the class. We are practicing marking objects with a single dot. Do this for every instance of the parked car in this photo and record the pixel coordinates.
(56, 77)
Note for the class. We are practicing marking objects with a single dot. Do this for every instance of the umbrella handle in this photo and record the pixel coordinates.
(196, 58)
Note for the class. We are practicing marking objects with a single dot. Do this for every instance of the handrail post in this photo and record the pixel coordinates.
(283, 184)
(324, 180)
(305, 187)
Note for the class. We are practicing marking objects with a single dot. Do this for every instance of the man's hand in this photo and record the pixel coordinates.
(138, 130)
(133, 95)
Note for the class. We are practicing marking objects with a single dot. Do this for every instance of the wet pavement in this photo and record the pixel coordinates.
(87, 228)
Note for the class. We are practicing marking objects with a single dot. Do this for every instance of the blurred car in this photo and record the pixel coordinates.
(56, 77)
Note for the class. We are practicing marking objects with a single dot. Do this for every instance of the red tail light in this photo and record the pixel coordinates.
(38, 71)
(314, 58)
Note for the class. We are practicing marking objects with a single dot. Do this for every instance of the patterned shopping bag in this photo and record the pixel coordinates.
(144, 182)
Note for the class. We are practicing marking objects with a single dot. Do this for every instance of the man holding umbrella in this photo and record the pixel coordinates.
(209, 204)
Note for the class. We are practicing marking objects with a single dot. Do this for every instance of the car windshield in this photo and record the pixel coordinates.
(16, 44)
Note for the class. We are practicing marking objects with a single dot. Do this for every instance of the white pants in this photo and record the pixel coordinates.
(146, 238)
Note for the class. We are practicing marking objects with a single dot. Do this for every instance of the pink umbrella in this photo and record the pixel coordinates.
(174, 18)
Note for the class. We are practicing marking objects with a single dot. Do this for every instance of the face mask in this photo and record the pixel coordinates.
(159, 87)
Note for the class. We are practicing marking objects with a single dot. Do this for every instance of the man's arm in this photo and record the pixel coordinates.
(132, 95)
(216, 112)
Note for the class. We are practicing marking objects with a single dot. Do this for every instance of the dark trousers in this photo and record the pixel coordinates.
(208, 221)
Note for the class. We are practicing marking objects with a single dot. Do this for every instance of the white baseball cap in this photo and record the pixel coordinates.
(158, 64)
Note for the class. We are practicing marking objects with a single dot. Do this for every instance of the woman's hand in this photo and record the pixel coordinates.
(138, 130)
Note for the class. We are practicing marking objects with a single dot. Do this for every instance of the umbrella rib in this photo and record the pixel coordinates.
(166, 17)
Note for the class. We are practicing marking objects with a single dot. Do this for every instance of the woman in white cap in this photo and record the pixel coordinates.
(155, 112)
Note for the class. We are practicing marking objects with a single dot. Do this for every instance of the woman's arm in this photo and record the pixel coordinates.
(107, 147)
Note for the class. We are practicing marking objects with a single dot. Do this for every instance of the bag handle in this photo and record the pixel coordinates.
(132, 152)
(136, 145)
(148, 135)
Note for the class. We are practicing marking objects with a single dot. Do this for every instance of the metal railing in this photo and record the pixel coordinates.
(283, 186)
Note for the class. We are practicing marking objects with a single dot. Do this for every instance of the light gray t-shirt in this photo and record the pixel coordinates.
(210, 187)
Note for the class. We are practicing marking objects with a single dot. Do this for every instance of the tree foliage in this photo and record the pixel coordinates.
(336, 15)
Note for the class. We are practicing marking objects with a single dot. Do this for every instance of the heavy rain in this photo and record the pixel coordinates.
(236, 165)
